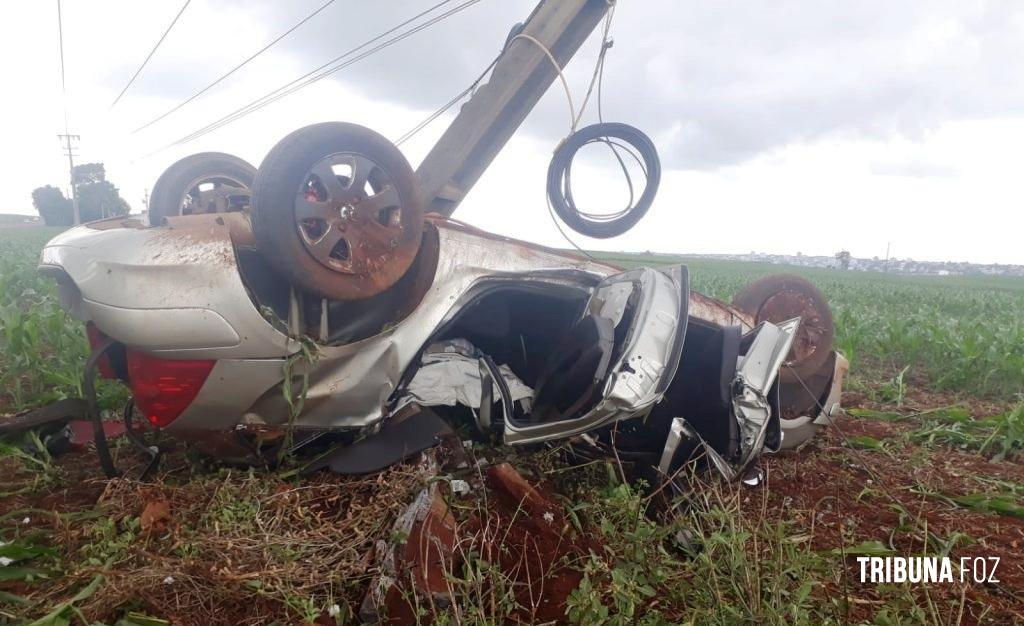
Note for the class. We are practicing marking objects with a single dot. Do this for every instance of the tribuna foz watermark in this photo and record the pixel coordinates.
(928, 569)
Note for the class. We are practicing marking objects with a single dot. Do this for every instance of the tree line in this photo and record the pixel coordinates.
(97, 198)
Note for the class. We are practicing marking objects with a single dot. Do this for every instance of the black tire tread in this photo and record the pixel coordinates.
(170, 186)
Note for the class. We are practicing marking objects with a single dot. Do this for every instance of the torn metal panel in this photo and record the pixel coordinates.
(681, 430)
(755, 375)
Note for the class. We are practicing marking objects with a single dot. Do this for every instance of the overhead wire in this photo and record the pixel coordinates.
(598, 77)
(326, 69)
(576, 116)
(235, 68)
(151, 53)
(63, 85)
(448, 105)
(573, 116)
(292, 87)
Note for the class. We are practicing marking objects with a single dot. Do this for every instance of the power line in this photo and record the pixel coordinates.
(236, 68)
(60, 36)
(312, 77)
(444, 107)
(150, 55)
(326, 69)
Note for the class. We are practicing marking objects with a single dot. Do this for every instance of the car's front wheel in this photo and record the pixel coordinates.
(807, 371)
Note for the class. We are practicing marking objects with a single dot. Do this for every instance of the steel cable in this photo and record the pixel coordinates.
(326, 69)
(151, 53)
(236, 68)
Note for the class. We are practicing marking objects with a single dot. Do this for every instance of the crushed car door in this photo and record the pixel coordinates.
(615, 362)
(765, 349)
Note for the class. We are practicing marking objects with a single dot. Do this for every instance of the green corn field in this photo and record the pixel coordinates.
(961, 334)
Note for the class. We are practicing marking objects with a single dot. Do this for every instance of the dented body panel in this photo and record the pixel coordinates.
(178, 291)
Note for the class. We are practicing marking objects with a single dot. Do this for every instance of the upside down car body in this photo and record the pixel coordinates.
(205, 334)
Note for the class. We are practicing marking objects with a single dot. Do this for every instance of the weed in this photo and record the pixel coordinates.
(895, 390)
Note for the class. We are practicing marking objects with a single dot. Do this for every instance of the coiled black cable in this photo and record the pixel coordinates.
(559, 187)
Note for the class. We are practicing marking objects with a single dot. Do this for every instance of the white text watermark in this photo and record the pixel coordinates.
(928, 569)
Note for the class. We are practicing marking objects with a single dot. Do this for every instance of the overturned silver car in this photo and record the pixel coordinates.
(329, 293)
(205, 335)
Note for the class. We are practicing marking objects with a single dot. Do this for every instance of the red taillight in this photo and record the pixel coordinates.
(96, 337)
(163, 388)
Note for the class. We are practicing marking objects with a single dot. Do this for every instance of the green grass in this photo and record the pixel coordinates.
(44, 350)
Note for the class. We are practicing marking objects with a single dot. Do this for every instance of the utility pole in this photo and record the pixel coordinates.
(489, 118)
(67, 139)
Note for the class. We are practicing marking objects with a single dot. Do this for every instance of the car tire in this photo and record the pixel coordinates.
(286, 178)
(780, 297)
(168, 196)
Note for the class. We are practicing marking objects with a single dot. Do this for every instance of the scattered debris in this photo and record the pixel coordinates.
(155, 516)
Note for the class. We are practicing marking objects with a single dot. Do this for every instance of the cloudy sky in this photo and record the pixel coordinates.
(783, 126)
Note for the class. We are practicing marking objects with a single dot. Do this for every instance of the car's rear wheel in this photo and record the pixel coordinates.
(338, 211)
(208, 182)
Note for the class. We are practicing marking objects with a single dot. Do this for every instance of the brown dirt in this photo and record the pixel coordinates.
(845, 496)
(842, 496)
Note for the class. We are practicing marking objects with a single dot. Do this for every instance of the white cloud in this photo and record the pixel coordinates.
(783, 127)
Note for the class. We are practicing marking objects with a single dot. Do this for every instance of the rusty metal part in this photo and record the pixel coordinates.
(781, 297)
(351, 223)
(717, 312)
(338, 211)
(799, 398)
(525, 248)
(215, 194)
(118, 221)
(788, 304)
